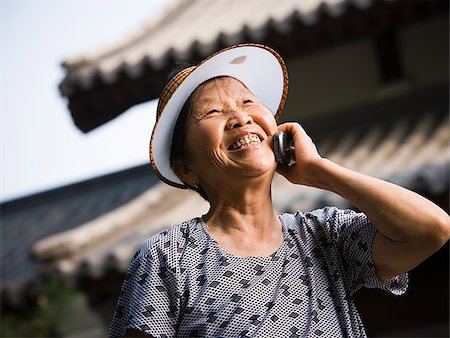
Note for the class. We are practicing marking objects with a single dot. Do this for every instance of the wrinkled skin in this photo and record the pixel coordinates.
(224, 111)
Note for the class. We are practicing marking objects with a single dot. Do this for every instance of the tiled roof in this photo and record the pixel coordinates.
(27, 220)
(406, 144)
(103, 83)
(186, 26)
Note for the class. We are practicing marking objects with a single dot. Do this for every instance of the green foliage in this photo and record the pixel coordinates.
(52, 311)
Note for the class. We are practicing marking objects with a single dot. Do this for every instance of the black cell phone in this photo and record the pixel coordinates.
(282, 143)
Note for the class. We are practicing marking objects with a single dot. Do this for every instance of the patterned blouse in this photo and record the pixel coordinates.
(180, 283)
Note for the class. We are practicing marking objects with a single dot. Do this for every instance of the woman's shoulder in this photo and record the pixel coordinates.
(319, 215)
(329, 216)
(327, 225)
(167, 241)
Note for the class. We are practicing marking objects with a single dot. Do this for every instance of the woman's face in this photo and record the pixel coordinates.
(229, 134)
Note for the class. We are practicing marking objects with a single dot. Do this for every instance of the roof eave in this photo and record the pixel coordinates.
(97, 98)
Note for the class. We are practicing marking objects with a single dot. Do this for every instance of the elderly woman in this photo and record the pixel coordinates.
(243, 269)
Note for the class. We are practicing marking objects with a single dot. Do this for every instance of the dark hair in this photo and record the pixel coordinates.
(178, 148)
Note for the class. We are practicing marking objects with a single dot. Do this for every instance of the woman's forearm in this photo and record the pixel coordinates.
(399, 214)
(410, 228)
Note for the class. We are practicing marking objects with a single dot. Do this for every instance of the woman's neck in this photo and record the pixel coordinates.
(244, 222)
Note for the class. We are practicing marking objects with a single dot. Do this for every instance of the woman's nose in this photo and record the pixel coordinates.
(239, 119)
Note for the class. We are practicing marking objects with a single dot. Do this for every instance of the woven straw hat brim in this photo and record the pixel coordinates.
(257, 66)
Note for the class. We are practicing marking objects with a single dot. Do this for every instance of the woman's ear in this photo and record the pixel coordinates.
(185, 173)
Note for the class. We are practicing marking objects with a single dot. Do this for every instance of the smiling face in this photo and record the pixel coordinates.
(229, 135)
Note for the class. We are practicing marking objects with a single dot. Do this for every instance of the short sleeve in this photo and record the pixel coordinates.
(347, 236)
(149, 299)
(355, 235)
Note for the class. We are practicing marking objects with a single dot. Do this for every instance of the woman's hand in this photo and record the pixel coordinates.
(304, 153)
(409, 227)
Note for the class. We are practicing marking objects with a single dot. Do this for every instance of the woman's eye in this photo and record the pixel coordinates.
(248, 101)
(212, 111)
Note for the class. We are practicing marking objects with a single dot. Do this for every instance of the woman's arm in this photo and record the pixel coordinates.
(409, 227)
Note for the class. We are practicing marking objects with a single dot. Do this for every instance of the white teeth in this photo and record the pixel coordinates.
(246, 141)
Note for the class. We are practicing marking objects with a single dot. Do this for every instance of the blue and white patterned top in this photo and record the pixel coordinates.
(180, 283)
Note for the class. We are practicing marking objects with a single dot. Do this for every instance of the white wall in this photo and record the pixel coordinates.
(425, 52)
(347, 75)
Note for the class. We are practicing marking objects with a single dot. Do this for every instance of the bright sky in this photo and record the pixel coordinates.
(40, 146)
